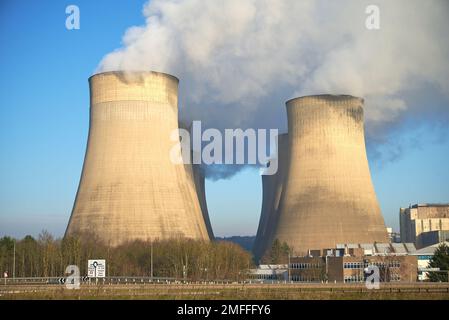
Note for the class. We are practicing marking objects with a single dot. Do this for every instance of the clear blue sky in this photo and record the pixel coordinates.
(44, 124)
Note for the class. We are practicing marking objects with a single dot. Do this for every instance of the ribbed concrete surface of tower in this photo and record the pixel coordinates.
(327, 195)
(272, 189)
(200, 184)
(129, 187)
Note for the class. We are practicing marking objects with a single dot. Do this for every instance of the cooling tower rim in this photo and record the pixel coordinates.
(327, 98)
(123, 72)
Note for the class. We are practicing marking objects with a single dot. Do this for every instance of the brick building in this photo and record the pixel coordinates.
(349, 263)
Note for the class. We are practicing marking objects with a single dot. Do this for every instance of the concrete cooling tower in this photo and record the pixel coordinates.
(327, 197)
(129, 187)
(272, 189)
(200, 185)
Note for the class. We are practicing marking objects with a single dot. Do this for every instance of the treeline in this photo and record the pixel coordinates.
(177, 258)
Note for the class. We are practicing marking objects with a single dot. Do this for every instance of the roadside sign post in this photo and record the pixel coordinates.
(96, 269)
(14, 262)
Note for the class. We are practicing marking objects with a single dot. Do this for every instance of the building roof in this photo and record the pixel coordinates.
(378, 248)
(430, 250)
(410, 247)
(430, 205)
(369, 246)
(384, 248)
(399, 248)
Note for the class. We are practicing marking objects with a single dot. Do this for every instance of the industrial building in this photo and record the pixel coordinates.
(324, 195)
(129, 187)
(424, 224)
(349, 262)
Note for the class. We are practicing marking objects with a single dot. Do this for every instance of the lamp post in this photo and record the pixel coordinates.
(151, 260)
(14, 262)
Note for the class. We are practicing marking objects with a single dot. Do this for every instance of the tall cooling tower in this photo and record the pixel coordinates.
(327, 195)
(200, 184)
(272, 190)
(129, 187)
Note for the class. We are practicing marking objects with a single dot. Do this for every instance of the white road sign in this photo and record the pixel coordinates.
(96, 268)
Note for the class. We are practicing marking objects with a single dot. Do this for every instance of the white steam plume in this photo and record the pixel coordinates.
(252, 55)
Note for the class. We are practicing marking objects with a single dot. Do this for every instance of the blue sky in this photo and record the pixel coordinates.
(44, 124)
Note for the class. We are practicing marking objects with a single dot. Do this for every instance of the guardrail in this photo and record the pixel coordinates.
(112, 280)
(125, 280)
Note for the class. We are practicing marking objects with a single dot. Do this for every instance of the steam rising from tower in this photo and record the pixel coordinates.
(129, 188)
(324, 196)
